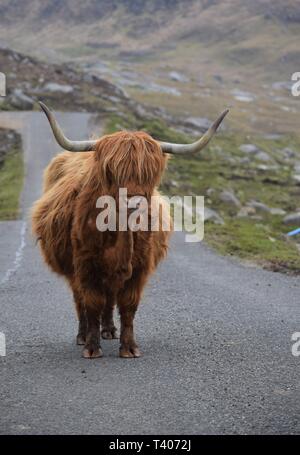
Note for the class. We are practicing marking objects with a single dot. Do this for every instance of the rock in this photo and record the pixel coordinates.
(178, 77)
(244, 212)
(292, 218)
(297, 167)
(218, 78)
(87, 77)
(21, 101)
(229, 198)
(282, 85)
(54, 87)
(243, 96)
(263, 156)
(259, 206)
(264, 167)
(296, 179)
(288, 153)
(199, 122)
(277, 211)
(272, 137)
(153, 87)
(249, 148)
(212, 215)
(140, 111)
(210, 191)
(121, 92)
(245, 160)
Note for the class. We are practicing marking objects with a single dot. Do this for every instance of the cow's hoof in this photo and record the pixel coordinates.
(129, 352)
(92, 353)
(80, 340)
(109, 333)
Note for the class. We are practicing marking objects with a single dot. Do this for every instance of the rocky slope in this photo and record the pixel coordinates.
(61, 85)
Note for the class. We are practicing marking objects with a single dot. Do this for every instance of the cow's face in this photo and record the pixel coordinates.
(133, 161)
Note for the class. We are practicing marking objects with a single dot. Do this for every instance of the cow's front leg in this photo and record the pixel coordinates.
(92, 348)
(128, 301)
(128, 346)
(108, 328)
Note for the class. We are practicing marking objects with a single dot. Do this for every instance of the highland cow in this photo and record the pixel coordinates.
(111, 268)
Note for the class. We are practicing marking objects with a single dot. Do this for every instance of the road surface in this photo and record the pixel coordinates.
(216, 338)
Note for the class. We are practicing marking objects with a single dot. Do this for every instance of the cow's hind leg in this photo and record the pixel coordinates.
(94, 305)
(108, 328)
(128, 301)
(82, 325)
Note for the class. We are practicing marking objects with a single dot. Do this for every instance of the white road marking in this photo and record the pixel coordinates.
(18, 255)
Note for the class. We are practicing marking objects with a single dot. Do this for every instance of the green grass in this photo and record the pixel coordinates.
(261, 240)
(254, 241)
(11, 182)
(155, 127)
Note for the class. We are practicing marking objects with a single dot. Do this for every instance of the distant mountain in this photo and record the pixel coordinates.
(73, 29)
(236, 52)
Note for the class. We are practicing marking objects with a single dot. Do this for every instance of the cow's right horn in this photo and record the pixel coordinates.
(63, 141)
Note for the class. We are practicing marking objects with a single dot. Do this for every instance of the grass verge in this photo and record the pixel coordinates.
(11, 182)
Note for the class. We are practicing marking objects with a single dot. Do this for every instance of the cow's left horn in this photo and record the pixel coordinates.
(63, 141)
(175, 149)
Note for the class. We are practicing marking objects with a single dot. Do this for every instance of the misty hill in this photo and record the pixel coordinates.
(234, 31)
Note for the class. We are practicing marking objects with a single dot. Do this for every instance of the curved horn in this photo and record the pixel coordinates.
(175, 149)
(63, 141)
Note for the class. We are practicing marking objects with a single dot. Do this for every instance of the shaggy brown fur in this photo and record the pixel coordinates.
(104, 269)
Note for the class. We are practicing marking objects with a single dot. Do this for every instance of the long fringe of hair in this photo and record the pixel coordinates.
(126, 157)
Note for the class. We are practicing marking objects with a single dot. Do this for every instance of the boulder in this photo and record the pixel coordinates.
(212, 215)
(288, 153)
(296, 179)
(200, 123)
(178, 77)
(263, 156)
(19, 100)
(61, 88)
(292, 219)
(249, 148)
(277, 211)
(259, 206)
(245, 212)
(229, 198)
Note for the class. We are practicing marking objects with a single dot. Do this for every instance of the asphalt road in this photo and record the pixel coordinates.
(215, 337)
